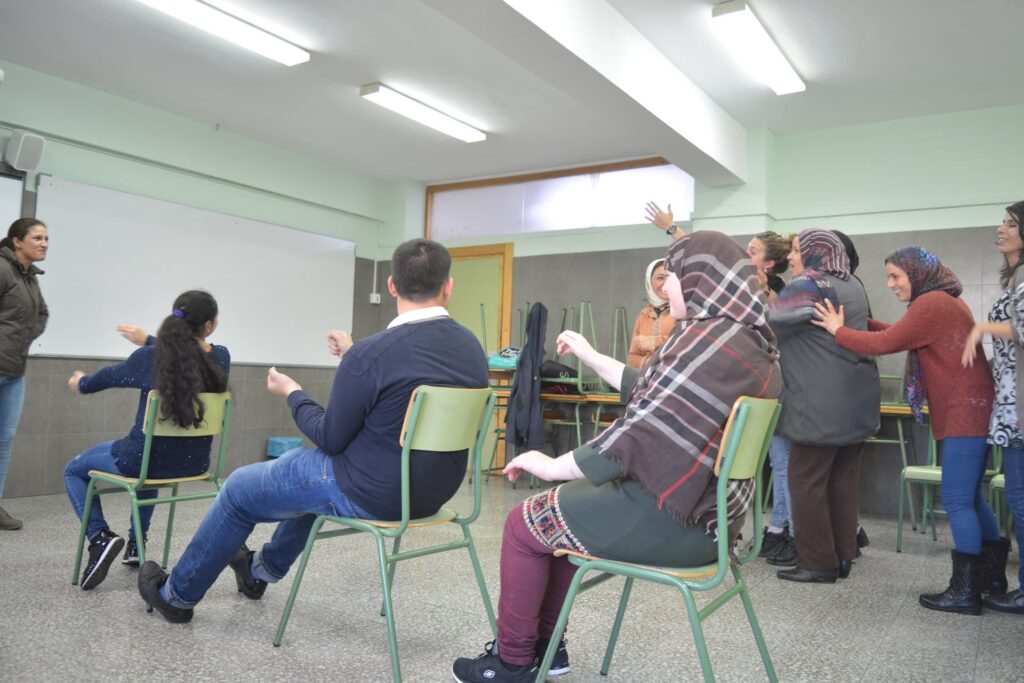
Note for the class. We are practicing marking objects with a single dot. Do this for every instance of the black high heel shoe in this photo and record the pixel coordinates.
(844, 568)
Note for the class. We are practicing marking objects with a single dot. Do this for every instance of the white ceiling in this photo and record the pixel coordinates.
(863, 60)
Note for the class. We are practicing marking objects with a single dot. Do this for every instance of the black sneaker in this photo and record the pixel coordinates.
(785, 555)
(248, 586)
(151, 578)
(560, 664)
(771, 540)
(131, 552)
(488, 668)
(102, 551)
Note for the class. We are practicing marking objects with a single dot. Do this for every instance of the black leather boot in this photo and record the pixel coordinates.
(1009, 602)
(994, 578)
(964, 593)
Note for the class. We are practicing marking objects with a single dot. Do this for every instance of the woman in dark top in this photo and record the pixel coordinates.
(23, 316)
(644, 489)
(179, 363)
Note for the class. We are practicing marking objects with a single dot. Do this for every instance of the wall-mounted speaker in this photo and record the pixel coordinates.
(25, 151)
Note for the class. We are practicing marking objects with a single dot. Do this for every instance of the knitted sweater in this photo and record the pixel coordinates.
(937, 325)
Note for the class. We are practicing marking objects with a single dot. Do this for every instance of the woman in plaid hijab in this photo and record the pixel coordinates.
(643, 490)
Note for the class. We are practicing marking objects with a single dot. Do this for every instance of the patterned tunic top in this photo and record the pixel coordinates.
(1004, 429)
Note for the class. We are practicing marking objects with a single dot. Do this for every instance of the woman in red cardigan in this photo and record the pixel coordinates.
(933, 332)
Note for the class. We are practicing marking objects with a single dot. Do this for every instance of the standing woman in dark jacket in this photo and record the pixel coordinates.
(180, 364)
(831, 407)
(23, 316)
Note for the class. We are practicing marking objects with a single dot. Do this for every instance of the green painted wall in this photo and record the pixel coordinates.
(98, 138)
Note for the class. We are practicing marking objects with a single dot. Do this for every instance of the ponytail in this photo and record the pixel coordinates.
(19, 230)
(182, 369)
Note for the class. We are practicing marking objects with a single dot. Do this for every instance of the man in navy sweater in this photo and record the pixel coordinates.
(354, 470)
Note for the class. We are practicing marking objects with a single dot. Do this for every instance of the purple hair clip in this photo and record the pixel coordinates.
(178, 313)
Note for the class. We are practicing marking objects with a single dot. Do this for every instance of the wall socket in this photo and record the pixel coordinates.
(374, 297)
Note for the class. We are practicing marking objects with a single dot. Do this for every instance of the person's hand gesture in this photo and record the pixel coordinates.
(828, 317)
(534, 462)
(339, 342)
(576, 344)
(136, 335)
(281, 384)
(662, 219)
(76, 377)
(971, 346)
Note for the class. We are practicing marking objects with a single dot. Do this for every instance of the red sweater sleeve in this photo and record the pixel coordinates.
(924, 320)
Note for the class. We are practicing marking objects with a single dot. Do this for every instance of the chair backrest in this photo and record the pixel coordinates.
(444, 418)
(747, 432)
(216, 408)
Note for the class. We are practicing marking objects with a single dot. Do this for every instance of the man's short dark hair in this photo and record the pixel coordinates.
(419, 269)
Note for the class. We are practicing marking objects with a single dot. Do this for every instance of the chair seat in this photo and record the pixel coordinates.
(154, 482)
(698, 572)
(443, 516)
(923, 473)
(998, 482)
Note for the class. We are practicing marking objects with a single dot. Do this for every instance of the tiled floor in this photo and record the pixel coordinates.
(866, 628)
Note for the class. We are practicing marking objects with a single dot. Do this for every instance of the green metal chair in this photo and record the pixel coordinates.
(929, 478)
(438, 419)
(744, 445)
(216, 420)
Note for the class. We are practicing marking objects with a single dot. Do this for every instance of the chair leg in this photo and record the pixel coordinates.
(170, 528)
(563, 619)
(89, 493)
(903, 457)
(698, 635)
(613, 638)
(899, 513)
(389, 611)
(313, 532)
(391, 570)
(137, 526)
(488, 606)
(926, 505)
(755, 626)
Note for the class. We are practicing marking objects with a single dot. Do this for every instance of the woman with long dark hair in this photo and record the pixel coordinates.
(180, 364)
(23, 316)
(1004, 426)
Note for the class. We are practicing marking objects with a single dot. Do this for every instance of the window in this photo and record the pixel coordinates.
(584, 198)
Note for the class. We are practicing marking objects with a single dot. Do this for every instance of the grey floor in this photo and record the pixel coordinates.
(866, 628)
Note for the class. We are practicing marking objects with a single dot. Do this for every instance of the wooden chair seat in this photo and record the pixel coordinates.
(700, 572)
(443, 516)
(149, 481)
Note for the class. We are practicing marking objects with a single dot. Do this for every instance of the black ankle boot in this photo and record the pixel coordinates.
(993, 579)
(964, 593)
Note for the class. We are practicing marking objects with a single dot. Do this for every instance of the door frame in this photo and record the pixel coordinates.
(504, 251)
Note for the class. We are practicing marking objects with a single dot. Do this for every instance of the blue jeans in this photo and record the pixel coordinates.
(778, 453)
(76, 483)
(292, 490)
(12, 397)
(970, 517)
(1013, 468)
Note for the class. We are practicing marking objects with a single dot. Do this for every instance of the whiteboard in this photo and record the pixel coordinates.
(10, 201)
(119, 258)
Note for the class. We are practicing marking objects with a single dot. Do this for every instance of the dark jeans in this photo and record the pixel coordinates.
(824, 489)
(1013, 467)
(76, 483)
(970, 517)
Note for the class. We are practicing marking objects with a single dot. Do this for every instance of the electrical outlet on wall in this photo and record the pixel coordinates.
(374, 297)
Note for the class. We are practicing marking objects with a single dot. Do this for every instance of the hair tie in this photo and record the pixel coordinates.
(178, 313)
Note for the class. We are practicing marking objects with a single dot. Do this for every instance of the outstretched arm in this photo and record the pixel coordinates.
(606, 367)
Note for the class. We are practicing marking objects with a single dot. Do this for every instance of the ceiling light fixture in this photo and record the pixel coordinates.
(751, 46)
(234, 30)
(419, 112)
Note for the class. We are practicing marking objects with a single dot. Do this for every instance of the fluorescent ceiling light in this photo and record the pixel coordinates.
(419, 112)
(225, 26)
(751, 46)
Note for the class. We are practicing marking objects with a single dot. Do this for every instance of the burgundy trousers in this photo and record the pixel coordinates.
(533, 586)
(824, 490)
